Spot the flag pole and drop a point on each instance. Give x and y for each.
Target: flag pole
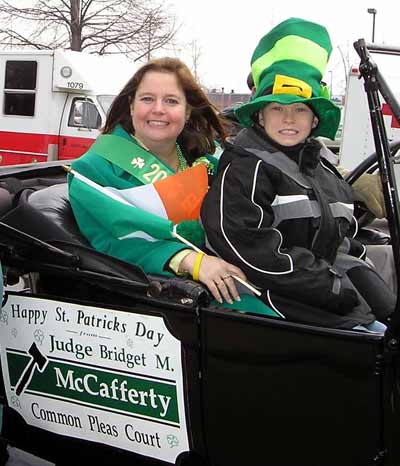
(174, 233)
(94, 185)
(193, 246)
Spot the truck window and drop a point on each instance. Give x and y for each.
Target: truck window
(84, 114)
(20, 88)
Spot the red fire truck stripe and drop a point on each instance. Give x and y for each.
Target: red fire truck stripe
(386, 110)
(16, 148)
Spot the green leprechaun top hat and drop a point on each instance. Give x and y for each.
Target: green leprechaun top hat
(287, 67)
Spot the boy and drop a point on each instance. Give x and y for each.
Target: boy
(277, 209)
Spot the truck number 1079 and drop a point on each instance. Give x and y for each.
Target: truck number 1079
(74, 85)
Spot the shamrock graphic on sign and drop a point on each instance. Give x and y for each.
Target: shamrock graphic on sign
(172, 440)
(38, 335)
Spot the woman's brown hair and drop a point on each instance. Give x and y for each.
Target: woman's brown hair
(204, 124)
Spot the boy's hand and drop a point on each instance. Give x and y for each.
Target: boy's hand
(368, 189)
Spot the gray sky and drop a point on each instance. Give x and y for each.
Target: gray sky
(227, 32)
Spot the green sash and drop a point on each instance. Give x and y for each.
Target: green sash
(131, 157)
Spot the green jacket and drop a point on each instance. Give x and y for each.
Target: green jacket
(109, 225)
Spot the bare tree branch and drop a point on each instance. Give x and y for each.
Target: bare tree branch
(134, 27)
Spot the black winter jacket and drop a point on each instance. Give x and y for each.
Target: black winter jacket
(280, 225)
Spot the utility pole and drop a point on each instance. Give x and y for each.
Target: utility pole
(76, 36)
(372, 11)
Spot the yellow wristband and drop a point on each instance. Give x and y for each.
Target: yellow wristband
(196, 267)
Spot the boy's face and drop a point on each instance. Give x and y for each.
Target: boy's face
(288, 125)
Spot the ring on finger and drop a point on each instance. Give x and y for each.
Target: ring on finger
(228, 275)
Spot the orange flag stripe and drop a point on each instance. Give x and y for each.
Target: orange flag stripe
(182, 194)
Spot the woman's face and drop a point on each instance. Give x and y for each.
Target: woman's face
(159, 109)
(288, 125)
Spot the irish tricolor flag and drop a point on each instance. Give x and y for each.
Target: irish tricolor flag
(149, 211)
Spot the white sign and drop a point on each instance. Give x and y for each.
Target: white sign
(97, 374)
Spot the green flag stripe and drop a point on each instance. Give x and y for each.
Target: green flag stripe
(121, 219)
(292, 48)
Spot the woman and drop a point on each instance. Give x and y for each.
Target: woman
(277, 209)
(159, 125)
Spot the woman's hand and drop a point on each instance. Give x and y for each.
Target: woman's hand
(216, 274)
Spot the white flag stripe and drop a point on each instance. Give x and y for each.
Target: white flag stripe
(98, 187)
(138, 234)
(144, 197)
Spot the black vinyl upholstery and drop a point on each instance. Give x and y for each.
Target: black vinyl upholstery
(46, 214)
(53, 203)
(5, 201)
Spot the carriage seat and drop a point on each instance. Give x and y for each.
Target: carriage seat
(47, 214)
(5, 201)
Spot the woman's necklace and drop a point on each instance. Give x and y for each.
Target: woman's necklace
(182, 163)
(140, 142)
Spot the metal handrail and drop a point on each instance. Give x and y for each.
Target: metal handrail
(375, 85)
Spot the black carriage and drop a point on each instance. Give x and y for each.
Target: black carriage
(103, 364)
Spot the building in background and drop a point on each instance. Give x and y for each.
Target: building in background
(222, 99)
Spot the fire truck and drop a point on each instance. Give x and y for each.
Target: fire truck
(53, 102)
(357, 141)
